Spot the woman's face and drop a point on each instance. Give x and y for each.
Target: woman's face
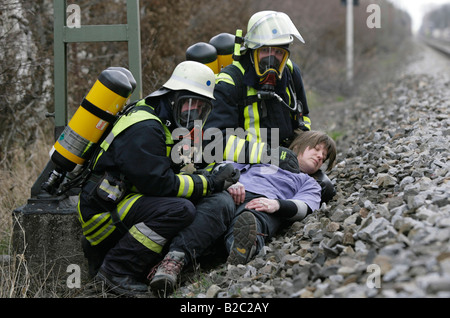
(312, 159)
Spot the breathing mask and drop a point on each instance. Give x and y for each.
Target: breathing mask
(190, 108)
(269, 64)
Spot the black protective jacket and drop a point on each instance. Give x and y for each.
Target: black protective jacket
(234, 108)
(140, 157)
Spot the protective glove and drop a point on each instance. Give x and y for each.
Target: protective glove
(304, 123)
(287, 160)
(222, 177)
(328, 190)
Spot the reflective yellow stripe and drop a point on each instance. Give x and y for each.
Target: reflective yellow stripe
(125, 122)
(95, 222)
(102, 233)
(252, 122)
(256, 152)
(210, 167)
(122, 209)
(147, 237)
(253, 152)
(228, 154)
(240, 145)
(100, 226)
(205, 185)
(182, 185)
(307, 122)
(186, 186)
(130, 119)
(233, 148)
(225, 78)
(289, 95)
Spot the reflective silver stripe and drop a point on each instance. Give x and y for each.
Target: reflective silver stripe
(302, 209)
(150, 234)
(91, 228)
(224, 77)
(253, 129)
(185, 184)
(94, 222)
(108, 140)
(234, 148)
(255, 152)
(113, 192)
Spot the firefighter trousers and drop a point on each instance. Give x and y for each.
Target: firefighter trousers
(151, 222)
(213, 217)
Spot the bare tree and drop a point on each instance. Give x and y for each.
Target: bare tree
(25, 74)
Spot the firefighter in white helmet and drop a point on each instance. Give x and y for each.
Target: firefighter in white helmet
(136, 199)
(246, 91)
(262, 92)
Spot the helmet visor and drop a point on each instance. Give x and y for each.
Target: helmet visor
(188, 109)
(272, 29)
(270, 58)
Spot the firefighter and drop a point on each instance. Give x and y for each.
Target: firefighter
(262, 92)
(136, 198)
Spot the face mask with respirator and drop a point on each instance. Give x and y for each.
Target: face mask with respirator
(269, 65)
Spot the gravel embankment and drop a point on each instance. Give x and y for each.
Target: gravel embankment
(387, 231)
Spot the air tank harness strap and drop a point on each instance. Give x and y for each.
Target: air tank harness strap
(96, 111)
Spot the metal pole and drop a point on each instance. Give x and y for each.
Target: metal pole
(60, 67)
(350, 42)
(63, 34)
(134, 46)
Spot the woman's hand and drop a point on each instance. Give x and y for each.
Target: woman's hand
(237, 192)
(263, 205)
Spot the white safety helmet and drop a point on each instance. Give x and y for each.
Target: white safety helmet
(194, 77)
(270, 28)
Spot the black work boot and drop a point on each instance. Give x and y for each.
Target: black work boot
(122, 285)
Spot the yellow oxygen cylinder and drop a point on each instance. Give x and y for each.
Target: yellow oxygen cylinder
(106, 98)
(204, 53)
(224, 44)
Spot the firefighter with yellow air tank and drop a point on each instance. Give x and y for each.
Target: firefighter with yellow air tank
(136, 199)
(262, 92)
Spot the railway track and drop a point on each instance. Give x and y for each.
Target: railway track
(441, 46)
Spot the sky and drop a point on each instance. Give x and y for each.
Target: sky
(418, 8)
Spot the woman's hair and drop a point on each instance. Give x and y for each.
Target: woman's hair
(311, 139)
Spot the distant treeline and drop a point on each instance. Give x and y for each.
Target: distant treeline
(168, 28)
(436, 23)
